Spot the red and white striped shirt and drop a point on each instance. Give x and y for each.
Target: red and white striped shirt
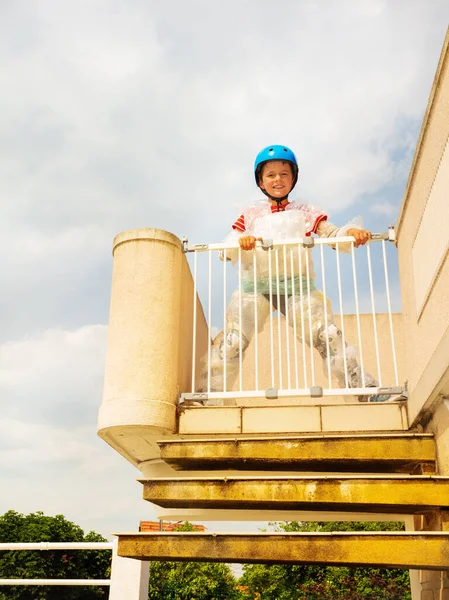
(317, 217)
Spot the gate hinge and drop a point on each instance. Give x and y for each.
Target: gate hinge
(195, 397)
(394, 391)
(391, 233)
(390, 390)
(186, 247)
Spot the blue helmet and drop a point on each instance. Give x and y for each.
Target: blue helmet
(276, 153)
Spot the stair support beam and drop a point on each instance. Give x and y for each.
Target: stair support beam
(410, 453)
(397, 494)
(402, 550)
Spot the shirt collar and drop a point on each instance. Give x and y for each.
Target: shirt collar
(274, 207)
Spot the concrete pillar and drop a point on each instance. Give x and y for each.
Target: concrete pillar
(129, 578)
(415, 583)
(142, 359)
(434, 584)
(444, 591)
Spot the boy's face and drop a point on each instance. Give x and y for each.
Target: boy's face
(277, 178)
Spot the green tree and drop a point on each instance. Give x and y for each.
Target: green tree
(51, 564)
(191, 580)
(301, 582)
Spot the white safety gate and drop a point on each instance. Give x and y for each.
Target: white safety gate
(288, 268)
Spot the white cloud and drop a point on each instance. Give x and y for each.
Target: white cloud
(50, 456)
(384, 208)
(54, 377)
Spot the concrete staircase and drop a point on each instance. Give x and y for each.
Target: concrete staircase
(315, 453)
(383, 473)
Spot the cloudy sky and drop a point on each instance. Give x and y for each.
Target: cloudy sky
(119, 114)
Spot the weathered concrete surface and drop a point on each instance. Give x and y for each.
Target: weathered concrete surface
(423, 254)
(394, 494)
(284, 419)
(373, 453)
(393, 550)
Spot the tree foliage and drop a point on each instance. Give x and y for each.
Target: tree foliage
(50, 564)
(191, 580)
(301, 582)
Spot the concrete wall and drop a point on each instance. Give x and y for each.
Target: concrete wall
(423, 244)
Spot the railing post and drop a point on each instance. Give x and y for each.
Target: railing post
(129, 577)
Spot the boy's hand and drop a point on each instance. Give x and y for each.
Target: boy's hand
(361, 236)
(248, 242)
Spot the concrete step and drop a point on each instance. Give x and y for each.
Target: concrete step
(296, 419)
(374, 453)
(401, 494)
(400, 550)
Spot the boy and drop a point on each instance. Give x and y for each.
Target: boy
(276, 174)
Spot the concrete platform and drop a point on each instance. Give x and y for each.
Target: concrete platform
(394, 494)
(383, 550)
(374, 453)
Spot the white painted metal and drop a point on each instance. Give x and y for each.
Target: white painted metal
(390, 316)
(209, 322)
(224, 322)
(288, 382)
(312, 353)
(56, 546)
(240, 321)
(287, 327)
(278, 296)
(195, 278)
(291, 242)
(129, 578)
(301, 304)
(46, 546)
(342, 318)
(300, 392)
(270, 275)
(256, 320)
(357, 312)
(295, 333)
(373, 311)
(326, 321)
(84, 582)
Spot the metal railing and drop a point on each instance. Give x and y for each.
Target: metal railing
(45, 546)
(281, 275)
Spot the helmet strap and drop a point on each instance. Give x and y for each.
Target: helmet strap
(278, 200)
